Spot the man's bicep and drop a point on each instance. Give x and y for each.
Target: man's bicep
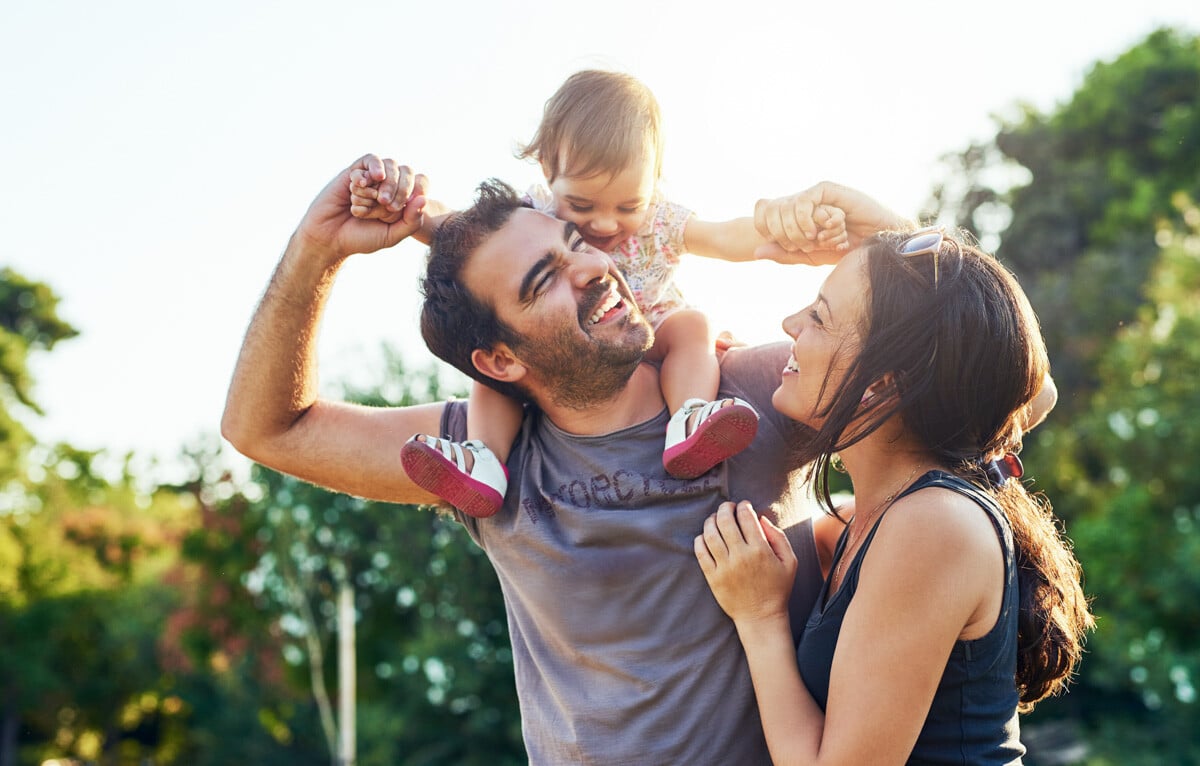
(355, 449)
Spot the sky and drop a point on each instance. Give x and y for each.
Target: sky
(156, 156)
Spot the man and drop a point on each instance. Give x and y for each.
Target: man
(620, 652)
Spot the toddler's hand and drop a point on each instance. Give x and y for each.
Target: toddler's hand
(364, 197)
(725, 341)
(801, 231)
(833, 234)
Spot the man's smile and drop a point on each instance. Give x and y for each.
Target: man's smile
(610, 304)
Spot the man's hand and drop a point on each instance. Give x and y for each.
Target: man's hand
(831, 243)
(331, 228)
(801, 223)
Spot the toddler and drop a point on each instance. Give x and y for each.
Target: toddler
(600, 148)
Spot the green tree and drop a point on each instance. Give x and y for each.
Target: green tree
(1101, 170)
(1124, 472)
(81, 607)
(220, 649)
(29, 323)
(1083, 202)
(434, 666)
(81, 555)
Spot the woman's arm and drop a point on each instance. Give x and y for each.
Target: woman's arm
(907, 613)
(750, 566)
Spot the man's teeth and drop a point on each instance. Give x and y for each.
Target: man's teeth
(791, 365)
(612, 300)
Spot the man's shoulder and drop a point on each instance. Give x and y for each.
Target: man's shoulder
(753, 373)
(753, 370)
(740, 355)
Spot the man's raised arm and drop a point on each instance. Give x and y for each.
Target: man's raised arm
(272, 413)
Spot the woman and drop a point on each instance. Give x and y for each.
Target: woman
(951, 601)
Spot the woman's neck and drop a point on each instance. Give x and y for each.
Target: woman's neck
(882, 466)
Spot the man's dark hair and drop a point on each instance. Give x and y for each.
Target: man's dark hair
(453, 321)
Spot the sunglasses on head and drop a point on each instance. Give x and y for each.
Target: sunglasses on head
(926, 241)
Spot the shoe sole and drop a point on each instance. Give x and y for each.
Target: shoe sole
(433, 472)
(725, 433)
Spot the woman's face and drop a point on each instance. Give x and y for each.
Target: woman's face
(825, 340)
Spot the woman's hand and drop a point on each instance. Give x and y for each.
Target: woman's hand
(748, 562)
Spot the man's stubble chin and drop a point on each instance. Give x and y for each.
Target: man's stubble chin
(580, 373)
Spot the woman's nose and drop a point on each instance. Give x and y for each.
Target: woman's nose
(791, 324)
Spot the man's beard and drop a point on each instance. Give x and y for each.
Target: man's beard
(579, 372)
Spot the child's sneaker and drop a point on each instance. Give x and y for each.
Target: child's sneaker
(722, 429)
(440, 466)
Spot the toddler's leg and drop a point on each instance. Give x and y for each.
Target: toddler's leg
(468, 475)
(689, 369)
(702, 432)
(493, 419)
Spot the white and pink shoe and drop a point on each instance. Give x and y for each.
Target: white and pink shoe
(721, 430)
(440, 466)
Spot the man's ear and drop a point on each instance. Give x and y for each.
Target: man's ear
(498, 363)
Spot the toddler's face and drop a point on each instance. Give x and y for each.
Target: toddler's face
(608, 209)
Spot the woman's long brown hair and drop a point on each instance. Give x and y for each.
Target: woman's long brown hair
(967, 359)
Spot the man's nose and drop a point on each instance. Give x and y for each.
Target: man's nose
(589, 265)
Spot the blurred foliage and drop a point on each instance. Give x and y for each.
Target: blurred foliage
(190, 624)
(435, 681)
(81, 553)
(1122, 471)
(28, 321)
(1091, 207)
(1097, 176)
(196, 623)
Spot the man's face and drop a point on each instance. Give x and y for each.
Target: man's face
(581, 333)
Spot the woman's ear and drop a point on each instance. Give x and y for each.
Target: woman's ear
(498, 363)
(884, 387)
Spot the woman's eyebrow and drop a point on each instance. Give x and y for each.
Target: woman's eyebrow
(821, 299)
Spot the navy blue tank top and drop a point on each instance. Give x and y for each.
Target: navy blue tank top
(973, 718)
